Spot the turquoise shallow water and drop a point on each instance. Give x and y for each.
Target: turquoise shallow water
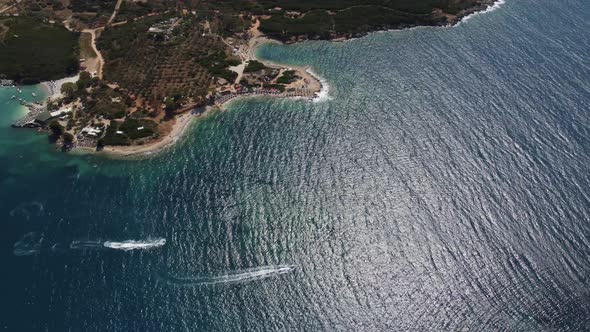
(443, 186)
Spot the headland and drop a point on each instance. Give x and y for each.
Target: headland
(145, 75)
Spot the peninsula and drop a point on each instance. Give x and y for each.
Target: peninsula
(145, 69)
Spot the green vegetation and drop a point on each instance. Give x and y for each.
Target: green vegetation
(121, 133)
(68, 139)
(92, 6)
(130, 128)
(171, 105)
(69, 89)
(408, 6)
(362, 19)
(315, 23)
(56, 130)
(331, 18)
(84, 81)
(111, 137)
(180, 62)
(217, 63)
(92, 12)
(106, 102)
(289, 76)
(164, 55)
(32, 51)
(254, 66)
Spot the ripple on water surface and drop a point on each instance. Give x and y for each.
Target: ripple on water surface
(443, 187)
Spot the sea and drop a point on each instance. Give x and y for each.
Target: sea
(441, 183)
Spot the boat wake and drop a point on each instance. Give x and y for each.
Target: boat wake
(28, 210)
(32, 244)
(490, 8)
(135, 245)
(240, 276)
(83, 245)
(125, 245)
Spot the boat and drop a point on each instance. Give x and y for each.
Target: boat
(34, 94)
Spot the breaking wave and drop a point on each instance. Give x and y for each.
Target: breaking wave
(247, 275)
(135, 245)
(490, 8)
(324, 93)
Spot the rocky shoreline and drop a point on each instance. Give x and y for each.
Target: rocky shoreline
(445, 20)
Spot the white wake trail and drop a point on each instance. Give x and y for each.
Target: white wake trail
(236, 277)
(135, 245)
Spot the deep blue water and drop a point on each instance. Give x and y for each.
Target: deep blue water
(444, 185)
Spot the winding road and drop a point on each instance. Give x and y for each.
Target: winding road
(115, 12)
(99, 59)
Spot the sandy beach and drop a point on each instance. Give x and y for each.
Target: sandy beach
(53, 88)
(181, 124)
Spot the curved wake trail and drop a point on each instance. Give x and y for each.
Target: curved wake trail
(258, 273)
(30, 244)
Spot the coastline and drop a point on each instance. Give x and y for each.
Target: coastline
(316, 84)
(490, 8)
(497, 4)
(181, 124)
(313, 82)
(53, 88)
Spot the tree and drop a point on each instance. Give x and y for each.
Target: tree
(68, 89)
(171, 106)
(56, 128)
(52, 106)
(68, 139)
(84, 81)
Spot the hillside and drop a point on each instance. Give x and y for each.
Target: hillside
(289, 20)
(33, 51)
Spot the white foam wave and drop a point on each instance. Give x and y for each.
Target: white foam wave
(236, 277)
(324, 93)
(135, 245)
(30, 244)
(490, 8)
